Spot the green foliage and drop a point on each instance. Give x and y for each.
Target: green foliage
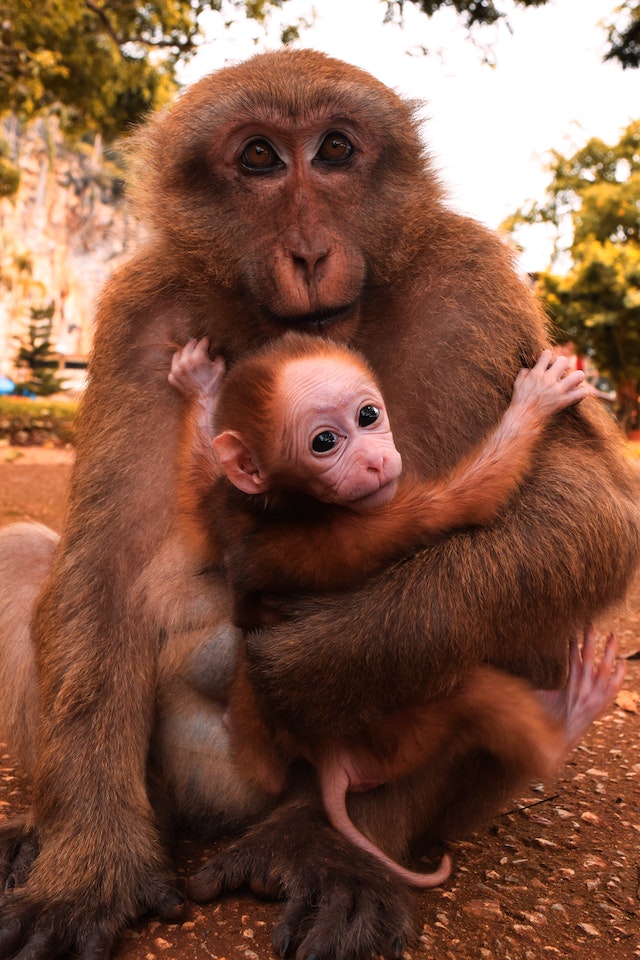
(102, 64)
(87, 60)
(35, 355)
(36, 422)
(594, 199)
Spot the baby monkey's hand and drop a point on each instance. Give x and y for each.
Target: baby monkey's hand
(547, 388)
(192, 372)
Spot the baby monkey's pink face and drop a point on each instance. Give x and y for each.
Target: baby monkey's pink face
(336, 435)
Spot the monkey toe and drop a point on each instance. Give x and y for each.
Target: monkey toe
(22, 861)
(360, 920)
(339, 901)
(344, 916)
(20, 932)
(31, 931)
(11, 936)
(18, 850)
(34, 926)
(234, 867)
(170, 905)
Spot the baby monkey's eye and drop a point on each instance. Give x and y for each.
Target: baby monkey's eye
(324, 442)
(368, 415)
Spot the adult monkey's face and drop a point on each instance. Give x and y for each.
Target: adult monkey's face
(293, 180)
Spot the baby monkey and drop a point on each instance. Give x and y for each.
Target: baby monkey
(317, 501)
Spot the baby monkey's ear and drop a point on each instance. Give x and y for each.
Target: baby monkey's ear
(238, 464)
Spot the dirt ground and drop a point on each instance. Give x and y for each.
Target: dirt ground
(557, 875)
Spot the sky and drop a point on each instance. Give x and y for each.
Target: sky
(489, 127)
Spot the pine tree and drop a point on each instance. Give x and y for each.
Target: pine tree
(35, 354)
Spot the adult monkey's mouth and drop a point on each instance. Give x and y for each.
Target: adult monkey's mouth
(316, 321)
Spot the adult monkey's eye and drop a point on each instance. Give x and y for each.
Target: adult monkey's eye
(335, 148)
(324, 442)
(260, 155)
(368, 415)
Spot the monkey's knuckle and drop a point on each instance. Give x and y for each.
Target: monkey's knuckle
(213, 879)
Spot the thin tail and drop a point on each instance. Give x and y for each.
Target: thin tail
(334, 792)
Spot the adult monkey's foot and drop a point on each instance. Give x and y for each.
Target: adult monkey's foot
(73, 918)
(18, 850)
(340, 902)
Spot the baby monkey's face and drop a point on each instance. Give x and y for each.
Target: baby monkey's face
(337, 440)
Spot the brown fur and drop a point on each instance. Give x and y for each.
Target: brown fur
(432, 300)
(293, 543)
(282, 541)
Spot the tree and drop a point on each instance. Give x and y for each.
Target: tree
(623, 30)
(472, 12)
(36, 356)
(594, 200)
(102, 64)
(624, 35)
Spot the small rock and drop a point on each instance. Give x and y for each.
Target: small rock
(483, 909)
(590, 817)
(523, 929)
(628, 700)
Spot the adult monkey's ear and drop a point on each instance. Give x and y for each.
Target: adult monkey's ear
(238, 464)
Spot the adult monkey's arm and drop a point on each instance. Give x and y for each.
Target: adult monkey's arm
(100, 860)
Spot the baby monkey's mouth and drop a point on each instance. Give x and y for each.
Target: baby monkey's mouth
(378, 498)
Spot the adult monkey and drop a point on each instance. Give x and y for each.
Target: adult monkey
(291, 191)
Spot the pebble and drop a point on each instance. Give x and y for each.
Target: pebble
(483, 909)
(628, 701)
(589, 817)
